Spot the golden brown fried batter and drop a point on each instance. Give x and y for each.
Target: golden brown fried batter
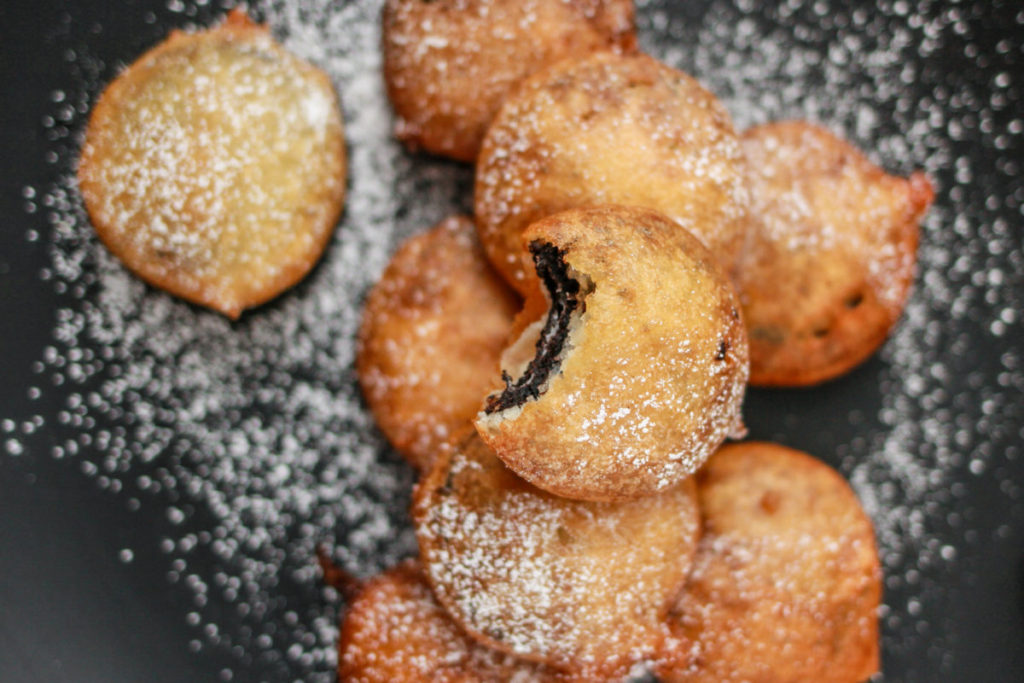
(609, 129)
(214, 166)
(786, 583)
(636, 375)
(433, 330)
(449, 64)
(831, 255)
(396, 632)
(583, 587)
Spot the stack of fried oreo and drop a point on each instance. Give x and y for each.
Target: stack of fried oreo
(565, 366)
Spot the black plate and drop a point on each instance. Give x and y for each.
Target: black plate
(147, 535)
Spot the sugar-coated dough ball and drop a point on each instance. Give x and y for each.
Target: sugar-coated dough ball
(610, 129)
(431, 339)
(786, 584)
(214, 166)
(449, 64)
(583, 587)
(638, 371)
(831, 253)
(394, 631)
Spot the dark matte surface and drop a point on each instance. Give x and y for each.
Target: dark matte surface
(70, 610)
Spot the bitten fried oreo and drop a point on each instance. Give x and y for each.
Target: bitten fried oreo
(584, 587)
(609, 129)
(637, 372)
(395, 632)
(449, 64)
(214, 166)
(786, 583)
(831, 255)
(432, 335)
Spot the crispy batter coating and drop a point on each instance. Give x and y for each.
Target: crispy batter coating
(449, 64)
(432, 334)
(584, 587)
(786, 584)
(609, 129)
(831, 256)
(396, 632)
(214, 166)
(634, 388)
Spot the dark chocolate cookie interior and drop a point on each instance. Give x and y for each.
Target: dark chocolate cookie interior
(565, 296)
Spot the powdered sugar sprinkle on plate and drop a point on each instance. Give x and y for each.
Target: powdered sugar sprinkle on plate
(253, 436)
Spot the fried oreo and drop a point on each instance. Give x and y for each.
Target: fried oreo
(786, 583)
(636, 374)
(432, 335)
(609, 129)
(395, 632)
(831, 255)
(214, 166)
(583, 587)
(449, 64)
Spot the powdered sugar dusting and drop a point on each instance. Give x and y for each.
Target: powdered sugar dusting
(943, 422)
(869, 216)
(396, 630)
(450, 65)
(215, 165)
(786, 569)
(433, 329)
(255, 429)
(252, 437)
(651, 381)
(596, 131)
(583, 586)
